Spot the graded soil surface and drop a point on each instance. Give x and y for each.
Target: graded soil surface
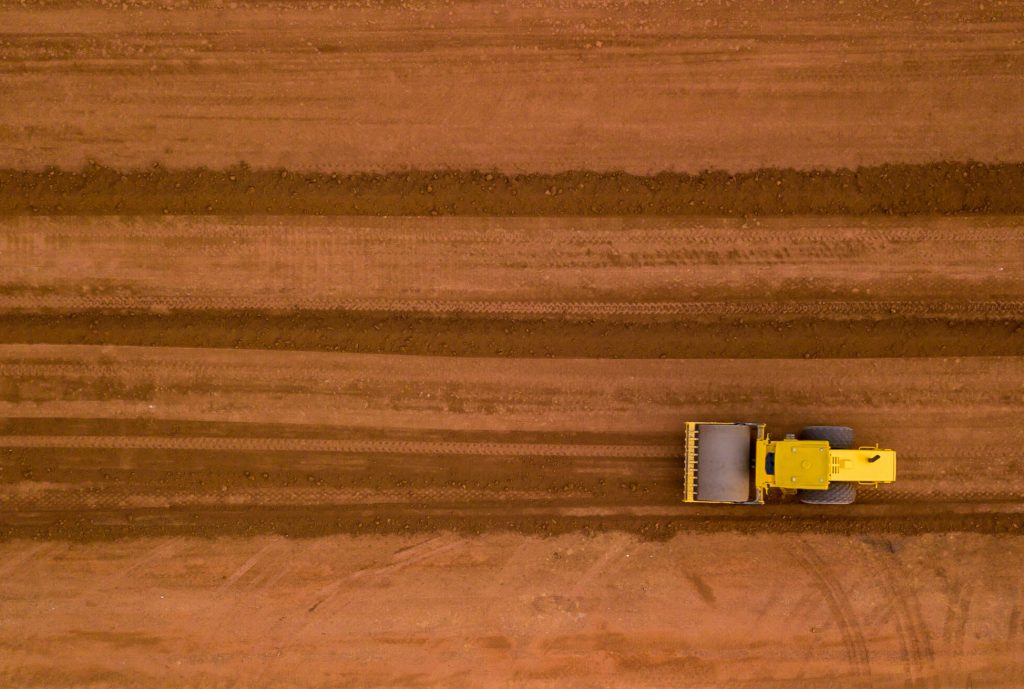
(517, 87)
(447, 451)
(751, 611)
(350, 344)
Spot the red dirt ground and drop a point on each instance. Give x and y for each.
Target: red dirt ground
(642, 86)
(246, 449)
(508, 610)
(259, 513)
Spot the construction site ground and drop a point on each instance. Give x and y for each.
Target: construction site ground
(254, 436)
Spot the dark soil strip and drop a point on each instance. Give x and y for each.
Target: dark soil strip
(934, 188)
(470, 335)
(311, 521)
(138, 427)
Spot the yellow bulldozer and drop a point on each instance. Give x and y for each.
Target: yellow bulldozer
(738, 463)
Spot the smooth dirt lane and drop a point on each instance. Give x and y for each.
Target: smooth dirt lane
(440, 610)
(637, 86)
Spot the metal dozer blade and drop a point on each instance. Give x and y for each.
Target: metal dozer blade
(723, 462)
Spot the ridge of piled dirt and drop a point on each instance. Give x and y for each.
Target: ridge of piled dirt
(934, 188)
(531, 337)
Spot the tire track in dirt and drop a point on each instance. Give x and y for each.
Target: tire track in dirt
(954, 630)
(840, 607)
(30, 554)
(160, 554)
(320, 261)
(1014, 625)
(339, 593)
(906, 606)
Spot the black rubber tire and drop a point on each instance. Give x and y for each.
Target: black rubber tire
(838, 493)
(838, 437)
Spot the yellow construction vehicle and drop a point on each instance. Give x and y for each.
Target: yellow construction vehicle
(738, 463)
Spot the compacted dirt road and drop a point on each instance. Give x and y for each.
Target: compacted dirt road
(293, 395)
(446, 452)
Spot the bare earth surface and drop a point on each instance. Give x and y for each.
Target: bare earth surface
(509, 610)
(521, 87)
(382, 510)
(261, 428)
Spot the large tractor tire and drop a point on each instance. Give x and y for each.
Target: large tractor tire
(838, 493)
(723, 462)
(838, 437)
